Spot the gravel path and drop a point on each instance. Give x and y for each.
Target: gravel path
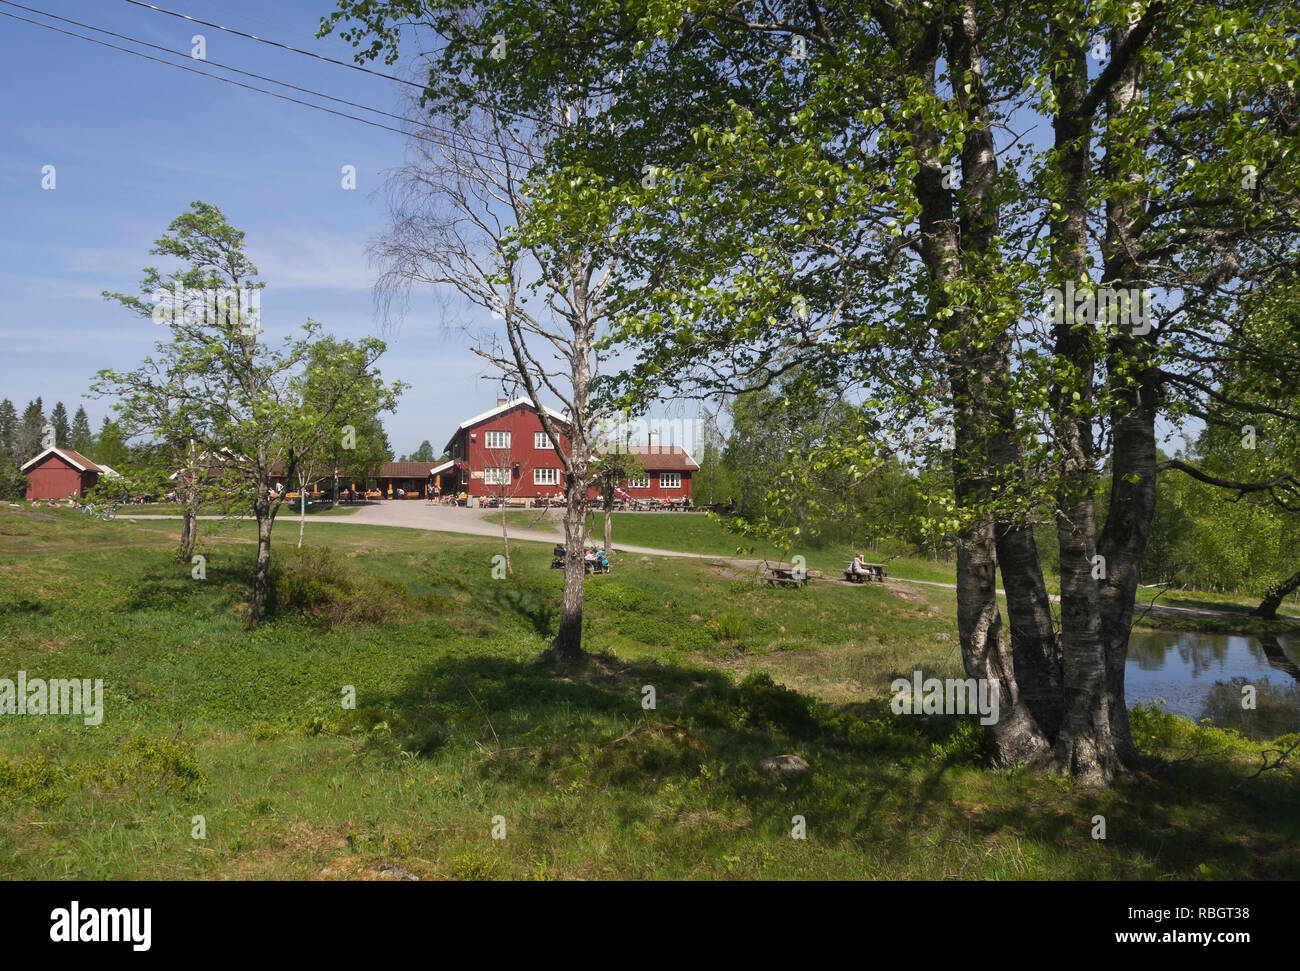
(455, 519)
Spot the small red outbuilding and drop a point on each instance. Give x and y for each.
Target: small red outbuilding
(59, 472)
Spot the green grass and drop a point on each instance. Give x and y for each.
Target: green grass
(460, 718)
(699, 533)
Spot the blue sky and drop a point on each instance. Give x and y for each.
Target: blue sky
(134, 142)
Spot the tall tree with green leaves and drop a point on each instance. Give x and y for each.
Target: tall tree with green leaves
(854, 191)
(111, 446)
(336, 391)
(459, 213)
(240, 395)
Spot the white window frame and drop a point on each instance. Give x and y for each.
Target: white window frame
(666, 480)
(496, 475)
(503, 440)
(540, 440)
(641, 483)
(552, 479)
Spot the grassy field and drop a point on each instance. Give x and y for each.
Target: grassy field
(460, 718)
(698, 533)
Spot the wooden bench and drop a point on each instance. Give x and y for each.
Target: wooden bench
(494, 502)
(781, 576)
(873, 571)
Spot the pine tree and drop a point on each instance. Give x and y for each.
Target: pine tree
(8, 428)
(110, 447)
(80, 438)
(31, 431)
(59, 419)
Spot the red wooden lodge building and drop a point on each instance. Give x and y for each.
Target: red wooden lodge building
(504, 453)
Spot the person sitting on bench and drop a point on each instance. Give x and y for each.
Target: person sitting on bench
(859, 565)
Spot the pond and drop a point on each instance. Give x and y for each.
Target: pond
(1202, 676)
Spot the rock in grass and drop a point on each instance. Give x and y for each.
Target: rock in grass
(784, 764)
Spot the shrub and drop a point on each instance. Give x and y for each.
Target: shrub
(618, 596)
(758, 703)
(1154, 729)
(38, 781)
(963, 746)
(317, 582)
(726, 627)
(167, 761)
(474, 865)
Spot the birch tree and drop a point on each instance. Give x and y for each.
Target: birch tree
(461, 214)
(863, 191)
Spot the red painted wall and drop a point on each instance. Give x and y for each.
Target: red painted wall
(53, 478)
(470, 445)
(656, 491)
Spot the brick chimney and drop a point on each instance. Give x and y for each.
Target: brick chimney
(654, 440)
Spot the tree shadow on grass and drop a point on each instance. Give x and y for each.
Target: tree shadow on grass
(538, 610)
(25, 607)
(171, 585)
(537, 727)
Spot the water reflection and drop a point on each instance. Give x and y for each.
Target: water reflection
(1202, 676)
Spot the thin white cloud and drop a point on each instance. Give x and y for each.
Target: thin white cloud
(302, 260)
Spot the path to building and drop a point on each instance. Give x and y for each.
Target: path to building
(412, 514)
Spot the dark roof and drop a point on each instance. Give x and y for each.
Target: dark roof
(408, 470)
(664, 458)
(389, 470)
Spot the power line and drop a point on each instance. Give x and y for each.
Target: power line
(340, 45)
(224, 67)
(276, 43)
(287, 47)
(250, 87)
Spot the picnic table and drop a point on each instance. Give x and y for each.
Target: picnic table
(872, 571)
(785, 576)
